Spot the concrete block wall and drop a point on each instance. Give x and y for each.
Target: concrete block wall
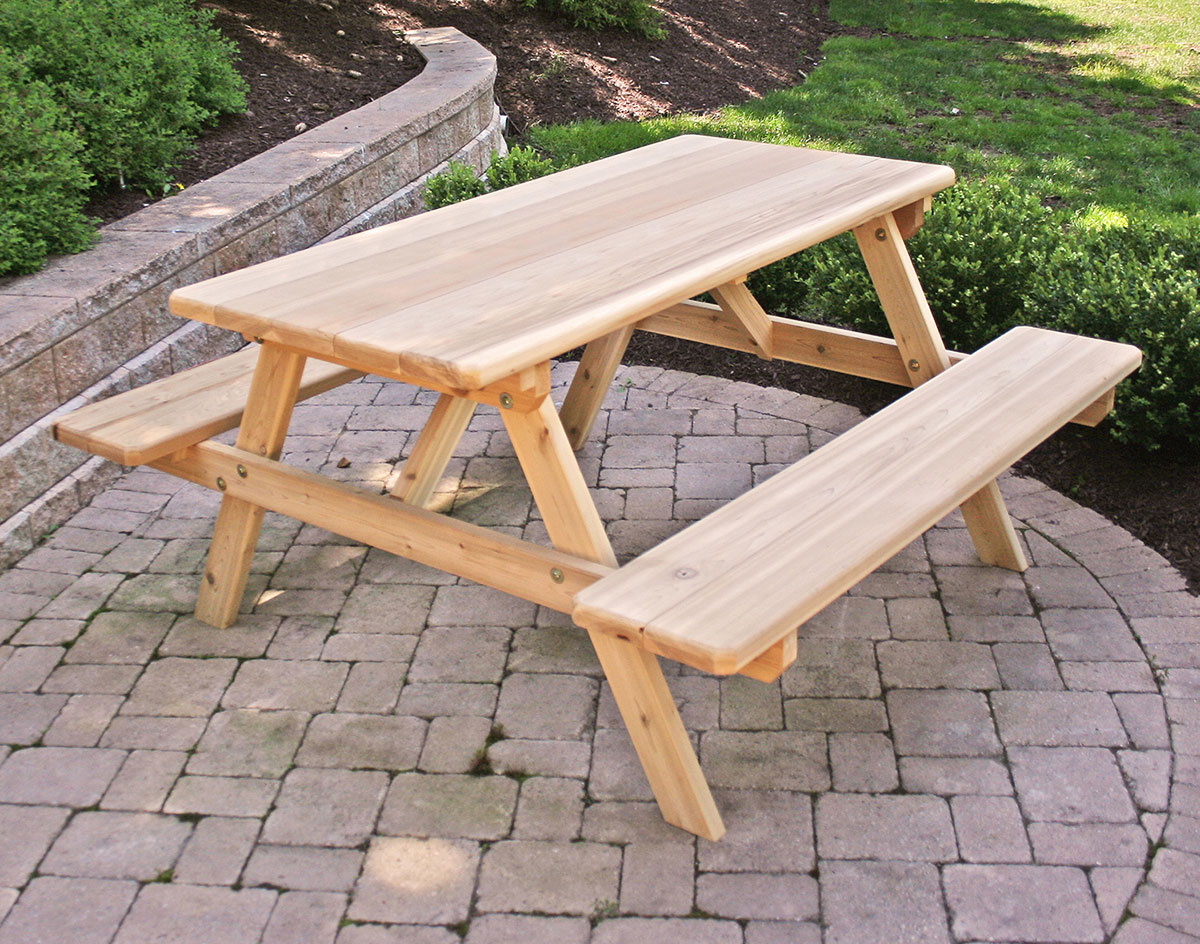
(94, 324)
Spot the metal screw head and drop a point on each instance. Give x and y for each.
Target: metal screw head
(506, 400)
(241, 471)
(881, 234)
(556, 575)
(914, 365)
(221, 483)
(685, 573)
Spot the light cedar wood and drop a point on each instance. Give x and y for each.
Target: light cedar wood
(474, 292)
(925, 356)
(737, 582)
(140, 425)
(737, 300)
(911, 218)
(263, 430)
(816, 345)
(772, 663)
(636, 679)
(424, 466)
(457, 547)
(589, 386)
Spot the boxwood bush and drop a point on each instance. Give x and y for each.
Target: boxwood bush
(636, 16)
(992, 256)
(114, 91)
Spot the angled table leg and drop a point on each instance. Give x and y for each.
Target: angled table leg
(597, 367)
(908, 314)
(636, 678)
(263, 430)
(435, 445)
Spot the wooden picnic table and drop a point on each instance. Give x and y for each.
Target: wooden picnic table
(474, 300)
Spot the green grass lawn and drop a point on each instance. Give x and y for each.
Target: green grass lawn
(1085, 104)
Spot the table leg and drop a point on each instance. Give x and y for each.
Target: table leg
(921, 347)
(435, 445)
(264, 427)
(638, 685)
(597, 367)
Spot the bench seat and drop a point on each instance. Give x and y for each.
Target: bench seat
(154, 420)
(725, 590)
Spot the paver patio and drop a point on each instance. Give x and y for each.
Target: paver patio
(380, 753)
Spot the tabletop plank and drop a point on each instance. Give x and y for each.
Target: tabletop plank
(471, 293)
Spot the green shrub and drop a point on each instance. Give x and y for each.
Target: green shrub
(43, 186)
(636, 16)
(459, 182)
(139, 78)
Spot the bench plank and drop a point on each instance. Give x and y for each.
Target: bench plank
(154, 420)
(730, 586)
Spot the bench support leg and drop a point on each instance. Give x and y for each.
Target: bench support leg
(264, 427)
(425, 464)
(924, 355)
(597, 367)
(638, 685)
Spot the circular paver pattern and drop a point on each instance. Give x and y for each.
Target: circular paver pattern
(377, 752)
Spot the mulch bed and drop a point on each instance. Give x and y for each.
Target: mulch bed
(302, 71)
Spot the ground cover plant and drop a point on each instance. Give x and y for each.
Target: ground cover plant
(124, 86)
(1078, 144)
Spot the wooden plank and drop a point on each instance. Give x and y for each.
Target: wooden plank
(457, 547)
(161, 417)
(637, 682)
(262, 432)
(911, 218)
(925, 356)
(726, 588)
(424, 466)
(462, 300)
(589, 386)
(737, 300)
(771, 664)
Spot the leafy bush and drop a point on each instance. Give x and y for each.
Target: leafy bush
(637, 16)
(459, 181)
(43, 186)
(138, 78)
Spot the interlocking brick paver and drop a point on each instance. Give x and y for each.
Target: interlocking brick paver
(916, 618)
(666, 931)
(949, 776)
(454, 745)
(28, 832)
(79, 910)
(479, 606)
(360, 740)
(449, 805)
(923, 664)
(248, 638)
(560, 647)
(983, 591)
(137, 846)
(221, 796)
(216, 851)
(300, 637)
(863, 763)
(504, 929)
(1109, 676)
(461, 654)
(1027, 666)
(750, 705)
(1070, 785)
(305, 918)
(28, 667)
(433, 699)
(882, 903)
(942, 723)
(1113, 887)
(149, 733)
(1175, 910)
(248, 743)
(908, 828)
(768, 831)
(835, 714)
(1089, 844)
(82, 721)
(550, 808)
(832, 668)
(541, 706)
(180, 687)
(657, 878)
(276, 683)
(326, 807)
(197, 914)
(550, 877)
(386, 608)
(93, 679)
(990, 829)
(779, 897)
(1089, 635)
(58, 776)
(541, 758)
(413, 881)
(304, 868)
(1050, 719)
(1021, 902)
(754, 760)
(41, 632)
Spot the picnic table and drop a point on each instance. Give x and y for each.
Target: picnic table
(474, 300)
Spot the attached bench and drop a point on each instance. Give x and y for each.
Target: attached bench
(159, 418)
(732, 588)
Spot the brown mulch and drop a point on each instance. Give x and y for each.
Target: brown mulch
(301, 71)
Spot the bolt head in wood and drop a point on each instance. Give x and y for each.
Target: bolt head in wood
(506, 400)
(241, 471)
(221, 483)
(881, 234)
(914, 365)
(556, 575)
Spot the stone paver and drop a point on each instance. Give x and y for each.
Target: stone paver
(380, 753)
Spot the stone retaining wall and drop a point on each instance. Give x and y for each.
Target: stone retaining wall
(94, 324)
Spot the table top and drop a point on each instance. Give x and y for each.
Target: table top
(471, 293)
